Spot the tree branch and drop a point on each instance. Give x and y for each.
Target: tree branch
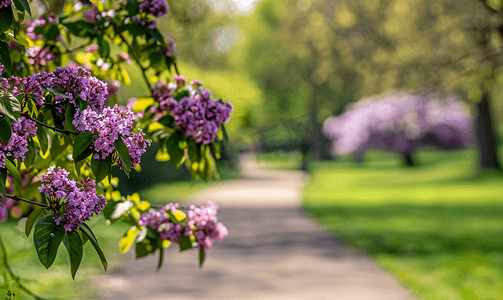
(13, 197)
(135, 57)
(67, 132)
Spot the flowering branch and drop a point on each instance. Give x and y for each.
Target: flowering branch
(67, 132)
(13, 197)
(143, 70)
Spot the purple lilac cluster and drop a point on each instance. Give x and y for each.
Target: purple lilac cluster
(79, 198)
(159, 221)
(208, 229)
(41, 21)
(201, 222)
(5, 3)
(400, 122)
(40, 56)
(75, 82)
(157, 8)
(151, 24)
(197, 116)
(108, 126)
(25, 85)
(22, 130)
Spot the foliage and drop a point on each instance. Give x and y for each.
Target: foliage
(64, 116)
(400, 122)
(435, 228)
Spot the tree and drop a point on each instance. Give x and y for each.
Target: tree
(61, 132)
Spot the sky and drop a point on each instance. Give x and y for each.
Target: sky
(244, 5)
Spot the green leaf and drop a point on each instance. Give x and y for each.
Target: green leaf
(73, 244)
(17, 39)
(101, 167)
(10, 105)
(103, 48)
(176, 154)
(83, 237)
(181, 94)
(88, 232)
(4, 54)
(194, 151)
(184, 243)
(202, 256)
(124, 156)
(5, 130)
(26, 5)
(81, 146)
(156, 34)
(69, 115)
(215, 149)
(6, 16)
(47, 237)
(161, 256)
(43, 140)
(145, 247)
(31, 220)
(127, 239)
(224, 132)
(29, 157)
(132, 7)
(14, 172)
(3, 178)
(167, 121)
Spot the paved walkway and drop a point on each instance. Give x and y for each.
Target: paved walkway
(273, 251)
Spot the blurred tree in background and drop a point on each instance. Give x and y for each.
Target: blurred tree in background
(317, 56)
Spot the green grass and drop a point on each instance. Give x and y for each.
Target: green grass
(437, 227)
(280, 160)
(56, 282)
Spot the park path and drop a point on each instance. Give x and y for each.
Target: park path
(273, 251)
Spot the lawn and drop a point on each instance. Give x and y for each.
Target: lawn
(56, 282)
(280, 160)
(437, 227)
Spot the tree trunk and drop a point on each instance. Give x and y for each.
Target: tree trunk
(485, 136)
(409, 162)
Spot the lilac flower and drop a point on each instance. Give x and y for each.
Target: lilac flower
(207, 228)
(171, 44)
(5, 3)
(108, 126)
(40, 56)
(197, 116)
(160, 222)
(22, 130)
(25, 85)
(92, 49)
(91, 15)
(41, 21)
(1, 69)
(79, 199)
(75, 83)
(112, 88)
(157, 8)
(124, 57)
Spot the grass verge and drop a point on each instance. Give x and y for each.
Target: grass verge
(436, 227)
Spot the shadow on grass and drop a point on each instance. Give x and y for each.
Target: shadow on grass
(416, 230)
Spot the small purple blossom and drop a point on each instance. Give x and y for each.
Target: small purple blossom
(157, 8)
(40, 56)
(207, 227)
(92, 49)
(91, 15)
(79, 198)
(1, 69)
(22, 130)
(167, 50)
(5, 3)
(41, 21)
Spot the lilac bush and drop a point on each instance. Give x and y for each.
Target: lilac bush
(400, 122)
